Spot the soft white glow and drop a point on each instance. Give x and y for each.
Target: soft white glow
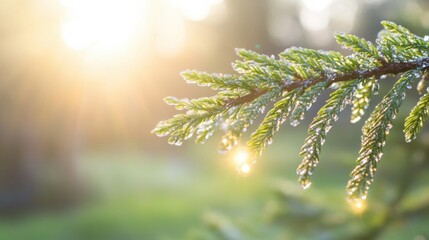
(245, 168)
(77, 34)
(375, 2)
(282, 27)
(313, 20)
(343, 15)
(195, 10)
(104, 25)
(241, 157)
(358, 206)
(316, 5)
(170, 33)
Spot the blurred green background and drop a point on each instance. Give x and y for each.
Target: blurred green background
(81, 87)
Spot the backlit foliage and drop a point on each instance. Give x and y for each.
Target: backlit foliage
(291, 83)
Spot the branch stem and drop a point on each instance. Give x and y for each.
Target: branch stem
(385, 69)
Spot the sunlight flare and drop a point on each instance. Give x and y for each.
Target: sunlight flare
(316, 5)
(195, 10)
(358, 206)
(242, 161)
(104, 25)
(241, 157)
(245, 168)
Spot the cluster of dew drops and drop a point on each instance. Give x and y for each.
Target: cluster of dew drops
(242, 158)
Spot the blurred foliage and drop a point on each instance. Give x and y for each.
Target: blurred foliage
(65, 112)
(199, 197)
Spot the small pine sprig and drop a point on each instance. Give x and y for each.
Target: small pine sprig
(361, 98)
(319, 128)
(263, 135)
(415, 120)
(239, 118)
(374, 133)
(291, 83)
(304, 102)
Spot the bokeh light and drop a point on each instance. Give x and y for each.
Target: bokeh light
(241, 157)
(245, 168)
(317, 5)
(358, 206)
(242, 161)
(101, 25)
(195, 10)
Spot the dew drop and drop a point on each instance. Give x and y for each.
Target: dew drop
(175, 140)
(301, 172)
(375, 88)
(305, 183)
(227, 142)
(355, 119)
(294, 123)
(409, 86)
(328, 127)
(334, 86)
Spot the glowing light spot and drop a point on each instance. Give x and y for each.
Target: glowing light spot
(313, 20)
(242, 161)
(103, 25)
(241, 157)
(343, 15)
(375, 2)
(245, 168)
(170, 27)
(358, 206)
(76, 34)
(316, 5)
(195, 10)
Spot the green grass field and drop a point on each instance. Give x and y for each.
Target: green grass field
(198, 195)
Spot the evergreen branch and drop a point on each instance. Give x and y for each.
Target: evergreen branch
(271, 123)
(304, 102)
(217, 81)
(293, 82)
(319, 128)
(374, 134)
(357, 44)
(182, 126)
(376, 72)
(414, 122)
(318, 60)
(241, 117)
(361, 99)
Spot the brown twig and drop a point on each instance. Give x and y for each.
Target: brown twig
(385, 69)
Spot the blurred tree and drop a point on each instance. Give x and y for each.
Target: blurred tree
(38, 128)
